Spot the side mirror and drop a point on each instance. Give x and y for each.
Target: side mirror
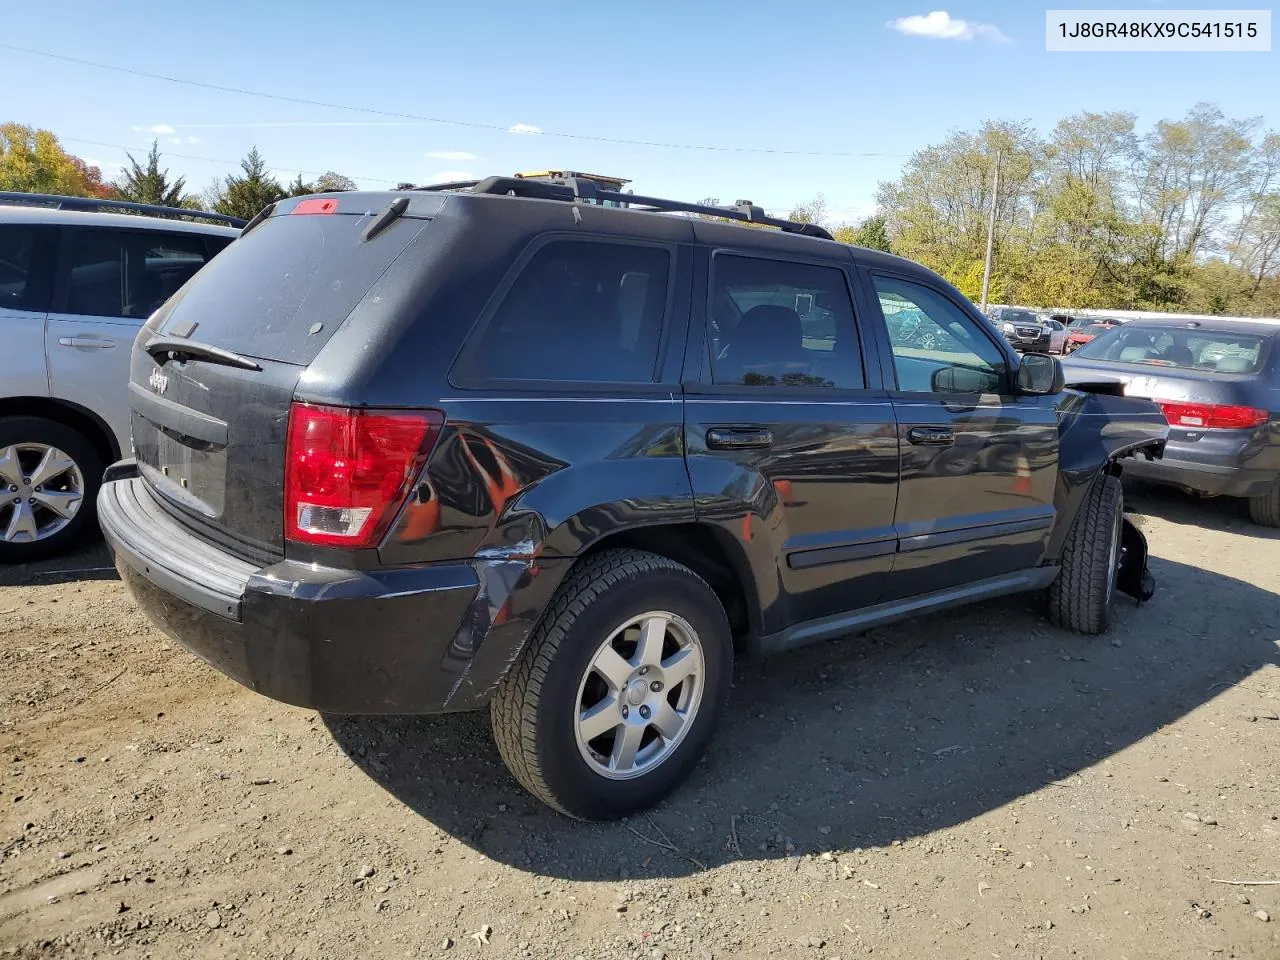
(1040, 374)
(963, 380)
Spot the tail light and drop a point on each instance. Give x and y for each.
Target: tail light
(1213, 415)
(348, 471)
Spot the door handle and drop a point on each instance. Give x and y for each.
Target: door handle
(92, 342)
(932, 436)
(738, 438)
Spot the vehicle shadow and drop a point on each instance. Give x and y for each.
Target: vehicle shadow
(1214, 513)
(90, 562)
(856, 743)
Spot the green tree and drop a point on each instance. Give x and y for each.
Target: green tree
(299, 188)
(150, 184)
(872, 233)
(246, 194)
(32, 161)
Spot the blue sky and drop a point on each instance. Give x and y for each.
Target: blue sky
(816, 76)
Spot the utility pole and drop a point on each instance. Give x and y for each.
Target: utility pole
(991, 235)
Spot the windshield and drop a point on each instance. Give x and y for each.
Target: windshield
(1217, 350)
(1018, 316)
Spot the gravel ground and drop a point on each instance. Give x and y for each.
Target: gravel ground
(970, 785)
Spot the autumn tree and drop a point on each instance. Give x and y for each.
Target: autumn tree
(330, 182)
(33, 161)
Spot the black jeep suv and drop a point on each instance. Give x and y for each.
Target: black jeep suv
(417, 451)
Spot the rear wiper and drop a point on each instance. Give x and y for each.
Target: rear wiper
(172, 348)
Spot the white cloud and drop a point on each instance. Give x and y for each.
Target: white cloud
(452, 155)
(940, 25)
(177, 141)
(159, 128)
(450, 176)
(523, 128)
(193, 140)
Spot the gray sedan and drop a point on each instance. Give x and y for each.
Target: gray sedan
(1218, 383)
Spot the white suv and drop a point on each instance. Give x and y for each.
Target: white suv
(76, 285)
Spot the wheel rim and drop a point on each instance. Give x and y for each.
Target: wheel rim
(639, 696)
(42, 489)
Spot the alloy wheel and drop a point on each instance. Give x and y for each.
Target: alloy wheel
(639, 695)
(41, 491)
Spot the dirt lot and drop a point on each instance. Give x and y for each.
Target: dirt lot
(966, 786)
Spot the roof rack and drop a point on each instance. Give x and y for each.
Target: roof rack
(97, 205)
(576, 189)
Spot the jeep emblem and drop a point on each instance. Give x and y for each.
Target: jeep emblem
(158, 381)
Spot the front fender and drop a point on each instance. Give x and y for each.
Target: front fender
(1096, 432)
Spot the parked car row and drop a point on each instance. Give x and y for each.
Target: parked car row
(1030, 331)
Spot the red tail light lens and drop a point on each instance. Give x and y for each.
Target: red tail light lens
(348, 471)
(1213, 415)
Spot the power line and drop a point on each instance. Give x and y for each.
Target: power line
(441, 120)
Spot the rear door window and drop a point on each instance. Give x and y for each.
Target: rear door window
(25, 267)
(777, 323)
(127, 274)
(579, 310)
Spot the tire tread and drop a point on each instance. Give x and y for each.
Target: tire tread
(1264, 509)
(1078, 597)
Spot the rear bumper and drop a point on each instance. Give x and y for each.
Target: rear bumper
(1226, 465)
(425, 639)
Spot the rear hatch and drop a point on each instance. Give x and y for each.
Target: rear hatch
(210, 417)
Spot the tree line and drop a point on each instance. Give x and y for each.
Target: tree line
(1184, 216)
(33, 161)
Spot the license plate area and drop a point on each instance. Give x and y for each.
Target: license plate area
(188, 471)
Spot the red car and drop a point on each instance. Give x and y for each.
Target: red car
(1077, 337)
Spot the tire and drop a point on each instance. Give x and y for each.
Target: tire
(23, 443)
(537, 709)
(1082, 597)
(1264, 510)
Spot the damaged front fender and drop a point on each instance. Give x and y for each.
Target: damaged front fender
(1098, 429)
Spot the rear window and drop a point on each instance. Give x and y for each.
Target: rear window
(580, 310)
(1213, 350)
(282, 290)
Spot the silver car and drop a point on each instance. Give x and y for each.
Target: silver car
(1218, 383)
(76, 285)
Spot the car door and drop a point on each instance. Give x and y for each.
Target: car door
(978, 463)
(1057, 335)
(26, 282)
(789, 438)
(110, 281)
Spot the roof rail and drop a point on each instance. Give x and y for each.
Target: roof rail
(574, 189)
(98, 205)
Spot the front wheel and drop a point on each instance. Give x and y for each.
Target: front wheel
(1082, 597)
(1265, 509)
(619, 688)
